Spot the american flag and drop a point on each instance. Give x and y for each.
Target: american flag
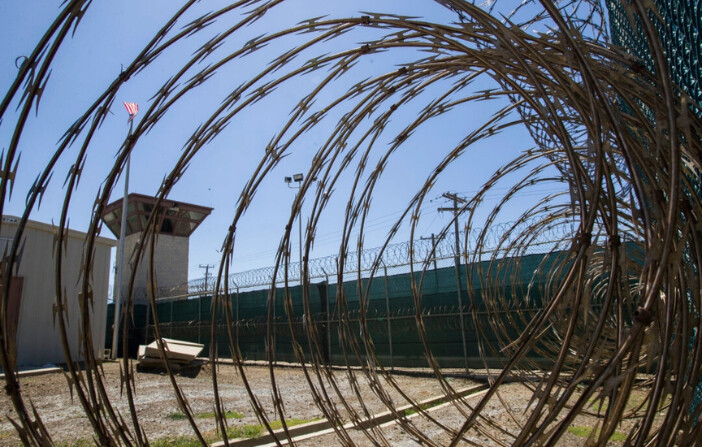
(132, 109)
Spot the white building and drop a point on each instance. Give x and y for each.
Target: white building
(33, 293)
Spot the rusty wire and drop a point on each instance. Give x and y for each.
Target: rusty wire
(623, 293)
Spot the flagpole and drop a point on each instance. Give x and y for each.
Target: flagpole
(122, 236)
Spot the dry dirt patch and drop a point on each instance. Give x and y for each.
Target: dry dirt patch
(158, 409)
(159, 413)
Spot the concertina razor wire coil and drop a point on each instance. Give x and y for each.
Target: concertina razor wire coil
(621, 142)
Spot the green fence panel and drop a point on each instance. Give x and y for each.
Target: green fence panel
(390, 316)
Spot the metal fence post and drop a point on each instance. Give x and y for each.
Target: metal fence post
(387, 315)
(236, 317)
(328, 322)
(146, 325)
(171, 329)
(274, 347)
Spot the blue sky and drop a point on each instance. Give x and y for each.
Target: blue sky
(112, 34)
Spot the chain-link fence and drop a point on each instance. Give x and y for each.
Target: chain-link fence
(471, 307)
(678, 26)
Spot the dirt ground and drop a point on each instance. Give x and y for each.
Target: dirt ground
(158, 410)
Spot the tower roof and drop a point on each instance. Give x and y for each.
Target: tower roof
(178, 218)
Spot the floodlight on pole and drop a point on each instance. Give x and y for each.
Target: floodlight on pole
(132, 109)
(297, 178)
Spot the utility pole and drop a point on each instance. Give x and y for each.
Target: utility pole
(433, 245)
(457, 262)
(207, 271)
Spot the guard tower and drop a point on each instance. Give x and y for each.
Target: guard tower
(178, 221)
